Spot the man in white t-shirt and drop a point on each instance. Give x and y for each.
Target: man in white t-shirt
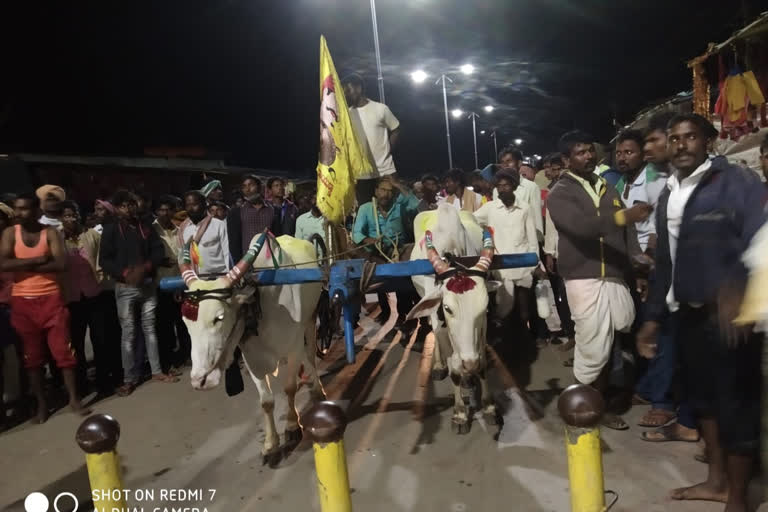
(377, 130)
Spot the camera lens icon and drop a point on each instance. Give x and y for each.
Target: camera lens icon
(38, 502)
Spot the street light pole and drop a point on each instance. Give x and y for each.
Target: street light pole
(380, 78)
(443, 78)
(495, 148)
(474, 117)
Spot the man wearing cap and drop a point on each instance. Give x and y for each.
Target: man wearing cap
(377, 130)
(51, 197)
(212, 191)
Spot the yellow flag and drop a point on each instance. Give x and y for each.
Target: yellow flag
(341, 158)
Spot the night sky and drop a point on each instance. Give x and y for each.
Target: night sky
(240, 77)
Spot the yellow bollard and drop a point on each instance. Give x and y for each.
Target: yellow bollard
(581, 407)
(325, 423)
(97, 437)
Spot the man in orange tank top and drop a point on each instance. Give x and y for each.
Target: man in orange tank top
(35, 254)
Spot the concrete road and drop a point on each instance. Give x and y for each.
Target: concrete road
(402, 455)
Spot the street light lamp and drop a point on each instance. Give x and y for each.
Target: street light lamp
(488, 108)
(419, 76)
(518, 142)
(482, 132)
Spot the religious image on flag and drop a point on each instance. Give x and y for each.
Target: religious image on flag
(341, 157)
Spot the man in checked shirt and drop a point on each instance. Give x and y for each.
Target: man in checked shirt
(251, 219)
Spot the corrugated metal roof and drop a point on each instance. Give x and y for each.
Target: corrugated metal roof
(171, 164)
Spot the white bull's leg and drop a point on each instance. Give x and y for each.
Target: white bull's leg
(292, 429)
(316, 391)
(486, 399)
(460, 421)
(439, 368)
(270, 451)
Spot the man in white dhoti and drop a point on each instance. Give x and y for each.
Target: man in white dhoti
(595, 240)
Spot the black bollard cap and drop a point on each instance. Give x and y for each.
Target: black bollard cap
(98, 434)
(325, 422)
(581, 406)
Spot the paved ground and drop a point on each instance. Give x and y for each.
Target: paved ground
(402, 454)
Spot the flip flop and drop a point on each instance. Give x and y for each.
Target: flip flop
(667, 434)
(614, 422)
(657, 418)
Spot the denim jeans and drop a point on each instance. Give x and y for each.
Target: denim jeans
(656, 384)
(130, 300)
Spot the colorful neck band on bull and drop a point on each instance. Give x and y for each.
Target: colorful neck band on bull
(185, 255)
(428, 240)
(246, 262)
(254, 250)
(487, 239)
(185, 265)
(486, 255)
(437, 262)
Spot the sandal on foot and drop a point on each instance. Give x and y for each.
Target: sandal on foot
(664, 435)
(164, 377)
(614, 422)
(657, 418)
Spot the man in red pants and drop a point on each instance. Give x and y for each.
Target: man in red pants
(35, 254)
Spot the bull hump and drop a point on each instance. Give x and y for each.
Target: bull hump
(428, 221)
(293, 250)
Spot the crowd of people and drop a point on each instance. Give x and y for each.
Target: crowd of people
(643, 260)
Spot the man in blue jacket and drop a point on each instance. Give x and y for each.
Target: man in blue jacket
(705, 220)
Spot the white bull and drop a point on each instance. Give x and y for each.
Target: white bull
(456, 302)
(215, 317)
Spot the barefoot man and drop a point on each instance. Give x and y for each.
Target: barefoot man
(705, 221)
(35, 254)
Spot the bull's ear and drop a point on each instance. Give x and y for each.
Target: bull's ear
(426, 305)
(492, 286)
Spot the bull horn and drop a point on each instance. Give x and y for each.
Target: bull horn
(486, 255)
(245, 264)
(437, 262)
(188, 273)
